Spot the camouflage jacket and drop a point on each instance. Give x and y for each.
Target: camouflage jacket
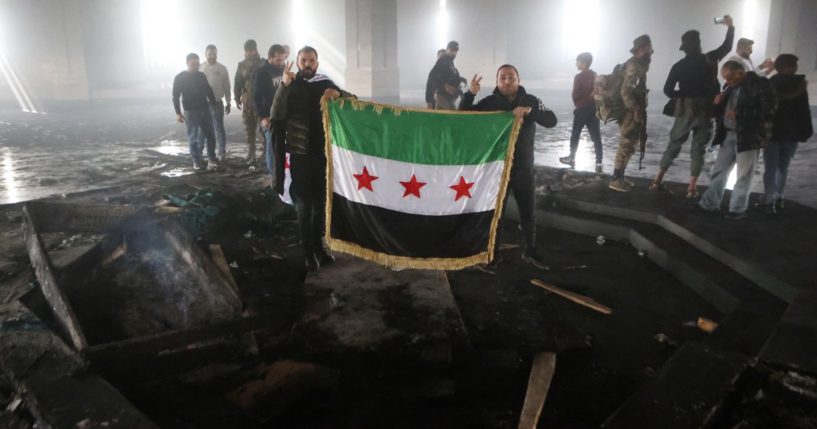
(242, 90)
(634, 84)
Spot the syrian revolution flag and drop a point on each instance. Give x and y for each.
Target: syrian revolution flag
(415, 188)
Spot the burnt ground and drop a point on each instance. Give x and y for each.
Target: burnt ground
(601, 359)
(481, 382)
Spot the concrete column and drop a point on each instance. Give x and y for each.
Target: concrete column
(371, 50)
(70, 78)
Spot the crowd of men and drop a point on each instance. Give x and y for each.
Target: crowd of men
(749, 112)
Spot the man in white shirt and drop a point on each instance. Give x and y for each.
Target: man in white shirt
(219, 80)
(743, 54)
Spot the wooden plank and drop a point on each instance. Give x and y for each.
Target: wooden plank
(217, 255)
(51, 290)
(211, 279)
(541, 374)
(571, 296)
(152, 345)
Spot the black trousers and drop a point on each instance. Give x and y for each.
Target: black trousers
(523, 186)
(586, 117)
(308, 191)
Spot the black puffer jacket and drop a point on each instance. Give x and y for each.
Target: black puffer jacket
(756, 106)
(792, 121)
(299, 104)
(539, 114)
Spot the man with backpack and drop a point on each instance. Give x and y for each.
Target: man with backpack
(444, 79)
(633, 120)
(696, 76)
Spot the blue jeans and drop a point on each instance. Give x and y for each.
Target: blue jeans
(269, 143)
(217, 113)
(586, 117)
(200, 131)
(776, 159)
(728, 156)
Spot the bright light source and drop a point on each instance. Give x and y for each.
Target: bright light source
(580, 27)
(442, 25)
(332, 62)
(299, 21)
(750, 23)
(162, 35)
(17, 88)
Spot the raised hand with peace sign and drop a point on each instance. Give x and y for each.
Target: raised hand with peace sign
(474, 87)
(289, 75)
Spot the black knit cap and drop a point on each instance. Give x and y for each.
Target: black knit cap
(691, 40)
(639, 42)
(453, 45)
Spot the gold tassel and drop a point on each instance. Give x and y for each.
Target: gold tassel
(387, 260)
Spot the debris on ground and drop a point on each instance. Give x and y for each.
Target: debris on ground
(707, 325)
(571, 296)
(541, 375)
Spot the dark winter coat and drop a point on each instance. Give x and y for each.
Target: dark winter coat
(755, 109)
(539, 114)
(299, 104)
(266, 81)
(444, 72)
(792, 121)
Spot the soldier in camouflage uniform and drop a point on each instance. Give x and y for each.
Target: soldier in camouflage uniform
(243, 97)
(633, 124)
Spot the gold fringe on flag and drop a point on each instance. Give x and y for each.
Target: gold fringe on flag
(447, 264)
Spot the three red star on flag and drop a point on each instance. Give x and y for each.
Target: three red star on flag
(413, 186)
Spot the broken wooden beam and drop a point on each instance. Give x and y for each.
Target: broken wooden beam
(212, 280)
(217, 255)
(572, 296)
(44, 272)
(541, 374)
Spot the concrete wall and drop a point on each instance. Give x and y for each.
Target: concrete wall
(42, 44)
(97, 47)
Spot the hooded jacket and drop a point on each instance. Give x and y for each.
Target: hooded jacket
(539, 114)
(755, 109)
(792, 121)
(300, 105)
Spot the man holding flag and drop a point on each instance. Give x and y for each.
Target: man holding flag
(300, 105)
(509, 95)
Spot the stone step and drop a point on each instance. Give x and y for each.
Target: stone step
(686, 393)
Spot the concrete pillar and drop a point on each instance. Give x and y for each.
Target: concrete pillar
(371, 50)
(70, 77)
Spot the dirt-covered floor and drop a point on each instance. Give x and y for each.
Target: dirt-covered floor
(135, 154)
